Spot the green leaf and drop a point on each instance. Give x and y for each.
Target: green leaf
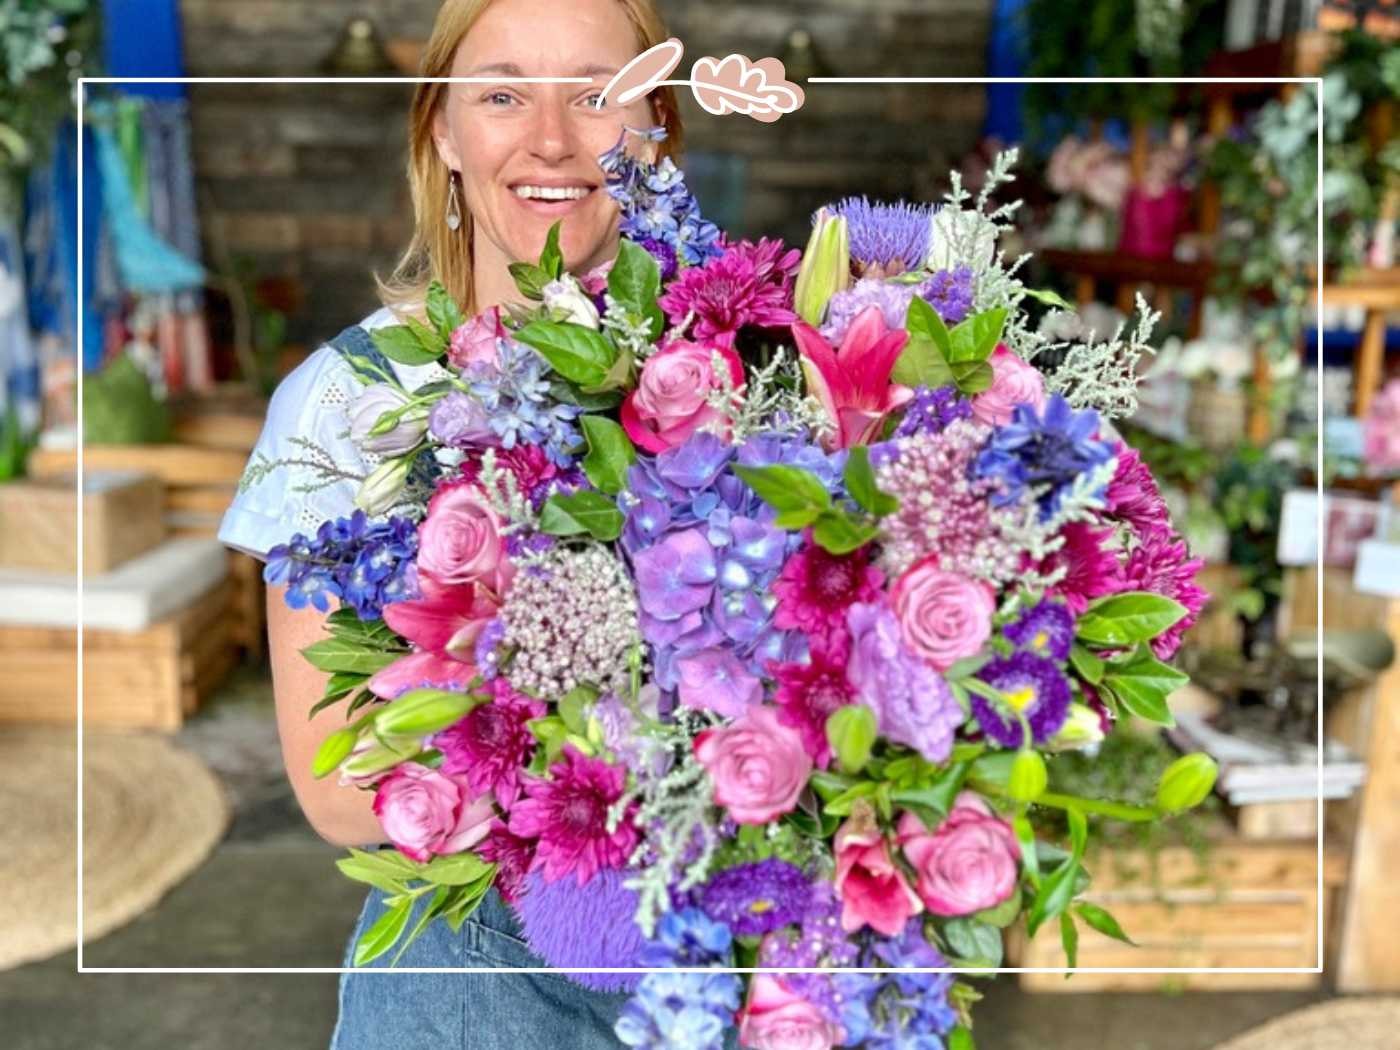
(1078, 833)
(975, 338)
(340, 654)
(635, 282)
(1004, 914)
(960, 1038)
(924, 359)
(610, 453)
(922, 319)
(572, 707)
(935, 799)
(435, 908)
(843, 803)
(1126, 619)
(530, 279)
(443, 312)
(387, 929)
(581, 355)
(797, 495)
(860, 483)
(386, 869)
(837, 532)
(551, 258)
(977, 944)
(818, 827)
(603, 401)
(1069, 937)
(409, 344)
(580, 513)
(1142, 684)
(1049, 298)
(1102, 921)
(829, 785)
(465, 901)
(457, 869)
(1025, 837)
(1053, 897)
(851, 730)
(1088, 664)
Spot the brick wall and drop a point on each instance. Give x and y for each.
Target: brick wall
(306, 181)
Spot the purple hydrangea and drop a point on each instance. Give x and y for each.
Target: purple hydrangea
(758, 898)
(1035, 687)
(913, 704)
(892, 237)
(931, 409)
(1046, 629)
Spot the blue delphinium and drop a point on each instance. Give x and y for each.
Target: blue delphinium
(892, 237)
(515, 392)
(897, 1011)
(656, 204)
(684, 1011)
(1046, 453)
(366, 566)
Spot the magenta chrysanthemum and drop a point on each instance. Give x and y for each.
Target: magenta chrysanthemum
(807, 694)
(815, 588)
(512, 856)
(568, 813)
(750, 284)
(491, 743)
(1162, 564)
(1090, 564)
(944, 511)
(1132, 495)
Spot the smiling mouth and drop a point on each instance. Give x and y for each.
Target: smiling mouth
(533, 192)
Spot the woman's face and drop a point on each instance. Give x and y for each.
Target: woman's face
(528, 153)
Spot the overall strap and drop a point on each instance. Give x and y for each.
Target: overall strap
(355, 342)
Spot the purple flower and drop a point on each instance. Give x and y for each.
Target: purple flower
(716, 680)
(677, 576)
(890, 237)
(950, 293)
(461, 421)
(1034, 687)
(1047, 629)
(913, 704)
(566, 924)
(758, 898)
(931, 410)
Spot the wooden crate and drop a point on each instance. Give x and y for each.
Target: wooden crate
(122, 517)
(149, 679)
(1252, 904)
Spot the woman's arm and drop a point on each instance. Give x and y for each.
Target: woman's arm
(340, 815)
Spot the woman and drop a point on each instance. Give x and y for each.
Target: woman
(492, 167)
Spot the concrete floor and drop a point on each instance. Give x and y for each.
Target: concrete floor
(269, 896)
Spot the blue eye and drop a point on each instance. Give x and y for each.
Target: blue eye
(593, 101)
(496, 97)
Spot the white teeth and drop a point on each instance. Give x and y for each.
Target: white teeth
(552, 193)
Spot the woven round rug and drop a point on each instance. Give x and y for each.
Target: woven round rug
(1370, 1023)
(151, 815)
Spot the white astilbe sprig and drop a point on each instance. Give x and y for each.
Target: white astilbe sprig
(314, 458)
(771, 401)
(501, 490)
(1104, 375)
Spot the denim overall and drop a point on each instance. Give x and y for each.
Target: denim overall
(385, 1010)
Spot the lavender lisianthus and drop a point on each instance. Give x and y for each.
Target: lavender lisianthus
(913, 704)
(461, 421)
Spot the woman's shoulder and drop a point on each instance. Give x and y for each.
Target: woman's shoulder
(326, 365)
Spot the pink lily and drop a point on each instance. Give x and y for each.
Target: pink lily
(443, 625)
(853, 383)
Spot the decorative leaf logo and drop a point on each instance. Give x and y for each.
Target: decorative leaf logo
(735, 85)
(732, 84)
(644, 72)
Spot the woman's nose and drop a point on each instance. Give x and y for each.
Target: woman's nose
(551, 133)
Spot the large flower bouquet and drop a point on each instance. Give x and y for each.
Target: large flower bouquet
(723, 610)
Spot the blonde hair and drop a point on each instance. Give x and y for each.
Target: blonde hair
(437, 252)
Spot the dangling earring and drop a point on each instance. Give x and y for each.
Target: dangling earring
(454, 210)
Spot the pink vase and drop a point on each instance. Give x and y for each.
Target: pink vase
(1151, 223)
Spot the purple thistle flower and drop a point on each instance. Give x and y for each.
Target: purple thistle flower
(757, 898)
(1046, 629)
(566, 924)
(890, 237)
(1035, 687)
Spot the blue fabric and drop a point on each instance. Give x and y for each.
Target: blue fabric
(141, 38)
(449, 1011)
(1006, 57)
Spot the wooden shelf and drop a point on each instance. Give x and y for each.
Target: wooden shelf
(1115, 266)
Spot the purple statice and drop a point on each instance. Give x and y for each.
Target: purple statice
(1044, 454)
(913, 704)
(705, 552)
(931, 409)
(887, 238)
(819, 939)
(949, 292)
(897, 1011)
(1046, 629)
(592, 925)
(1034, 687)
(521, 410)
(757, 898)
(365, 565)
(656, 204)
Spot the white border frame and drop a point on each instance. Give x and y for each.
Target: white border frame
(1321, 525)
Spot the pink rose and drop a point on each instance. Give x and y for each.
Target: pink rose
(775, 1018)
(669, 403)
(425, 813)
(595, 281)
(476, 339)
(1014, 382)
(461, 541)
(873, 890)
(968, 864)
(758, 765)
(943, 616)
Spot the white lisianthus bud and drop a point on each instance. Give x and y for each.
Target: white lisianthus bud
(568, 296)
(374, 429)
(381, 490)
(955, 229)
